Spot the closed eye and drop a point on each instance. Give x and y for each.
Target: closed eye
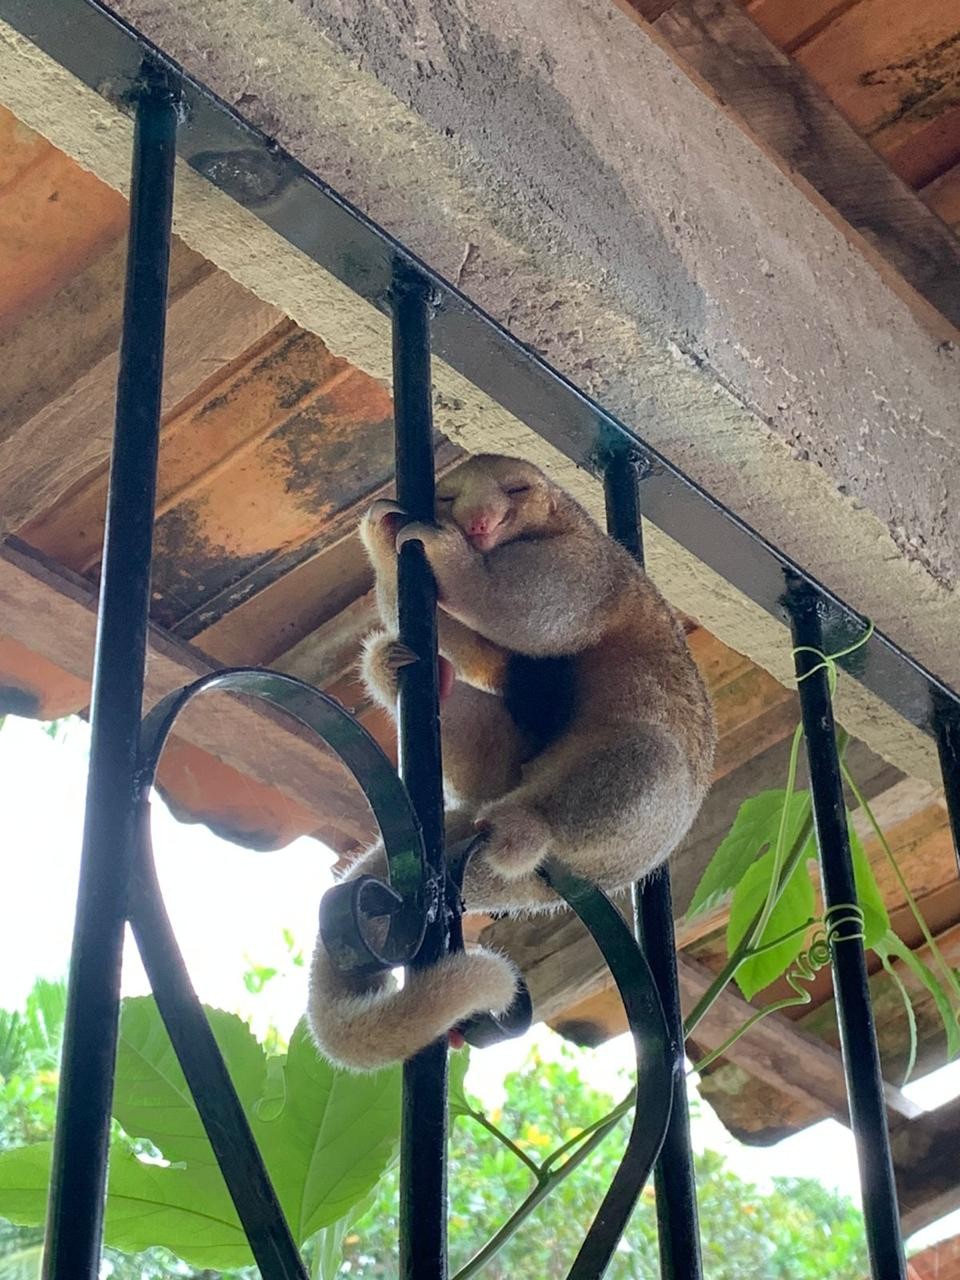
(442, 497)
(518, 488)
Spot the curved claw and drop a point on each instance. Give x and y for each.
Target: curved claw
(383, 507)
(415, 531)
(400, 655)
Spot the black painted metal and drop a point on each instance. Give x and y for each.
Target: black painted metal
(220, 1109)
(655, 1064)
(423, 1133)
(858, 1040)
(483, 1029)
(217, 1102)
(105, 53)
(948, 745)
(677, 1220)
(75, 1214)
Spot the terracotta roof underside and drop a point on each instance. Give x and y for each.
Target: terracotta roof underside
(939, 1262)
(271, 449)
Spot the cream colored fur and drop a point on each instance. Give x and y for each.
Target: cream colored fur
(523, 572)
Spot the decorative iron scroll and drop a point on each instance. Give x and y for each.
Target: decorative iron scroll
(349, 913)
(655, 1064)
(220, 1110)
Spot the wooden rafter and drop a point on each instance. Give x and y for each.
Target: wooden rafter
(54, 614)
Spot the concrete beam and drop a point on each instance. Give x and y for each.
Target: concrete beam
(592, 195)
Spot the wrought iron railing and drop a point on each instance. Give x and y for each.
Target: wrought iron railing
(176, 115)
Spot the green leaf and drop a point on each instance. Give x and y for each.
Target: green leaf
(185, 1210)
(328, 1246)
(876, 922)
(329, 1249)
(335, 1135)
(911, 1016)
(457, 1099)
(795, 908)
(12, 1043)
(44, 1015)
(326, 1136)
(151, 1098)
(188, 1211)
(24, 1179)
(891, 945)
(755, 829)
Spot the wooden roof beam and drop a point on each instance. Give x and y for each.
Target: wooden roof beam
(926, 1166)
(211, 322)
(783, 105)
(681, 272)
(54, 614)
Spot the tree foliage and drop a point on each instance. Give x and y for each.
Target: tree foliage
(330, 1142)
(793, 1231)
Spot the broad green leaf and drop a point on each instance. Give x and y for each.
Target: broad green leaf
(186, 1210)
(333, 1139)
(755, 829)
(795, 907)
(458, 1101)
(22, 1265)
(151, 1098)
(891, 945)
(273, 1098)
(24, 1179)
(326, 1137)
(876, 922)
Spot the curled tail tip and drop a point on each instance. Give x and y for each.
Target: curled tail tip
(371, 1031)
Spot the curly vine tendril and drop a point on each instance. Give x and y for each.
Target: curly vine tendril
(842, 922)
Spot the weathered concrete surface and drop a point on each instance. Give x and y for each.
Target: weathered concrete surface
(593, 198)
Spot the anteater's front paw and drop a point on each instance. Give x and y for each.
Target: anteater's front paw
(383, 658)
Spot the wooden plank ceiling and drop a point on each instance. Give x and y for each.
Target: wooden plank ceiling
(272, 446)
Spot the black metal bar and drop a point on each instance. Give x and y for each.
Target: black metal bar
(75, 1216)
(858, 1041)
(655, 1065)
(948, 746)
(216, 1099)
(423, 1135)
(102, 50)
(677, 1221)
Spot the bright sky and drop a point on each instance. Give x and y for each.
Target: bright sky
(230, 907)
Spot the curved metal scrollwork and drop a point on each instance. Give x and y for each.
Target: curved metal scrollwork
(351, 930)
(484, 1028)
(351, 912)
(655, 1063)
